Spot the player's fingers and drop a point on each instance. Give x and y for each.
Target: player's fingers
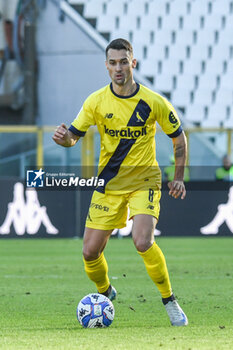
(183, 194)
(64, 126)
(176, 189)
(60, 131)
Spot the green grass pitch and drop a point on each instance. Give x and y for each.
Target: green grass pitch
(42, 281)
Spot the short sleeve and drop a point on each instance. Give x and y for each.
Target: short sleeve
(84, 119)
(167, 118)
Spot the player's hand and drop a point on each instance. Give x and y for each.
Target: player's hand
(61, 136)
(177, 189)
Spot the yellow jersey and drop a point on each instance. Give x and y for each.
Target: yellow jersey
(127, 127)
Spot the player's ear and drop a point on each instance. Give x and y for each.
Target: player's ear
(134, 63)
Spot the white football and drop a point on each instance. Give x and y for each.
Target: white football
(95, 311)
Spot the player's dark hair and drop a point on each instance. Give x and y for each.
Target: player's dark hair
(120, 44)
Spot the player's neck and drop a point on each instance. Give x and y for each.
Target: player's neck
(125, 90)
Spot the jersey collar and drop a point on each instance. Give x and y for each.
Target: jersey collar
(119, 96)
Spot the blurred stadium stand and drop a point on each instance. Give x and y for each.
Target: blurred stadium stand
(184, 50)
(174, 39)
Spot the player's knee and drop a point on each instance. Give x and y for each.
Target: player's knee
(90, 254)
(142, 244)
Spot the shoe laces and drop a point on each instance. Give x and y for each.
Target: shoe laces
(173, 310)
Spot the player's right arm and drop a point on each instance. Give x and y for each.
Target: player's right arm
(65, 137)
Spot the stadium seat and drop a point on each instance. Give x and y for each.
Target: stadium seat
(186, 37)
(118, 8)
(165, 82)
(140, 51)
(215, 21)
(171, 22)
(131, 22)
(151, 22)
(222, 51)
(142, 37)
(150, 67)
(140, 8)
(159, 8)
(222, 7)
(226, 82)
(179, 51)
(217, 66)
(157, 51)
(174, 66)
(211, 123)
(201, 7)
(207, 36)
(229, 20)
(194, 22)
(208, 81)
(218, 111)
(196, 67)
(201, 52)
(94, 8)
(165, 37)
(187, 81)
(195, 112)
(224, 96)
(107, 23)
(229, 121)
(225, 36)
(181, 97)
(204, 96)
(181, 7)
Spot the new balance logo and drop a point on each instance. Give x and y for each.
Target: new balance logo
(108, 115)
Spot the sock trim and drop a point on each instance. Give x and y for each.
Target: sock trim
(166, 300)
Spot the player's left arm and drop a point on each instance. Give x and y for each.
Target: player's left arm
(177, 187)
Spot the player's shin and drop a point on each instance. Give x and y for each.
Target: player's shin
(97, 271)
(156, 267)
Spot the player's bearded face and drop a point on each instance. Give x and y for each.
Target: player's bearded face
(120, 66)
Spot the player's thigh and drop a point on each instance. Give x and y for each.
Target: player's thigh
(94, 242)
(144, 209)
(107, 211)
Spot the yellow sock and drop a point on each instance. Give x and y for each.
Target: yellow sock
(97, 271)
(155, 263)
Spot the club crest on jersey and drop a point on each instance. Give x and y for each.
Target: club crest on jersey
(172, 118)
(126, 133)
(139, 118)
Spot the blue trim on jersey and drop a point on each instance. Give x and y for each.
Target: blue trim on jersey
(135, 92)
(176, 133)
(111, 169)
(76, 131)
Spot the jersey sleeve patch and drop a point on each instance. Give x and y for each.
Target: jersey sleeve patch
(76, 131)
(176, 133)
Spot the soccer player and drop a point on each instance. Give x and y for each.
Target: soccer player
(126, 113)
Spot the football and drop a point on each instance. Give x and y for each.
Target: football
(95, 311)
